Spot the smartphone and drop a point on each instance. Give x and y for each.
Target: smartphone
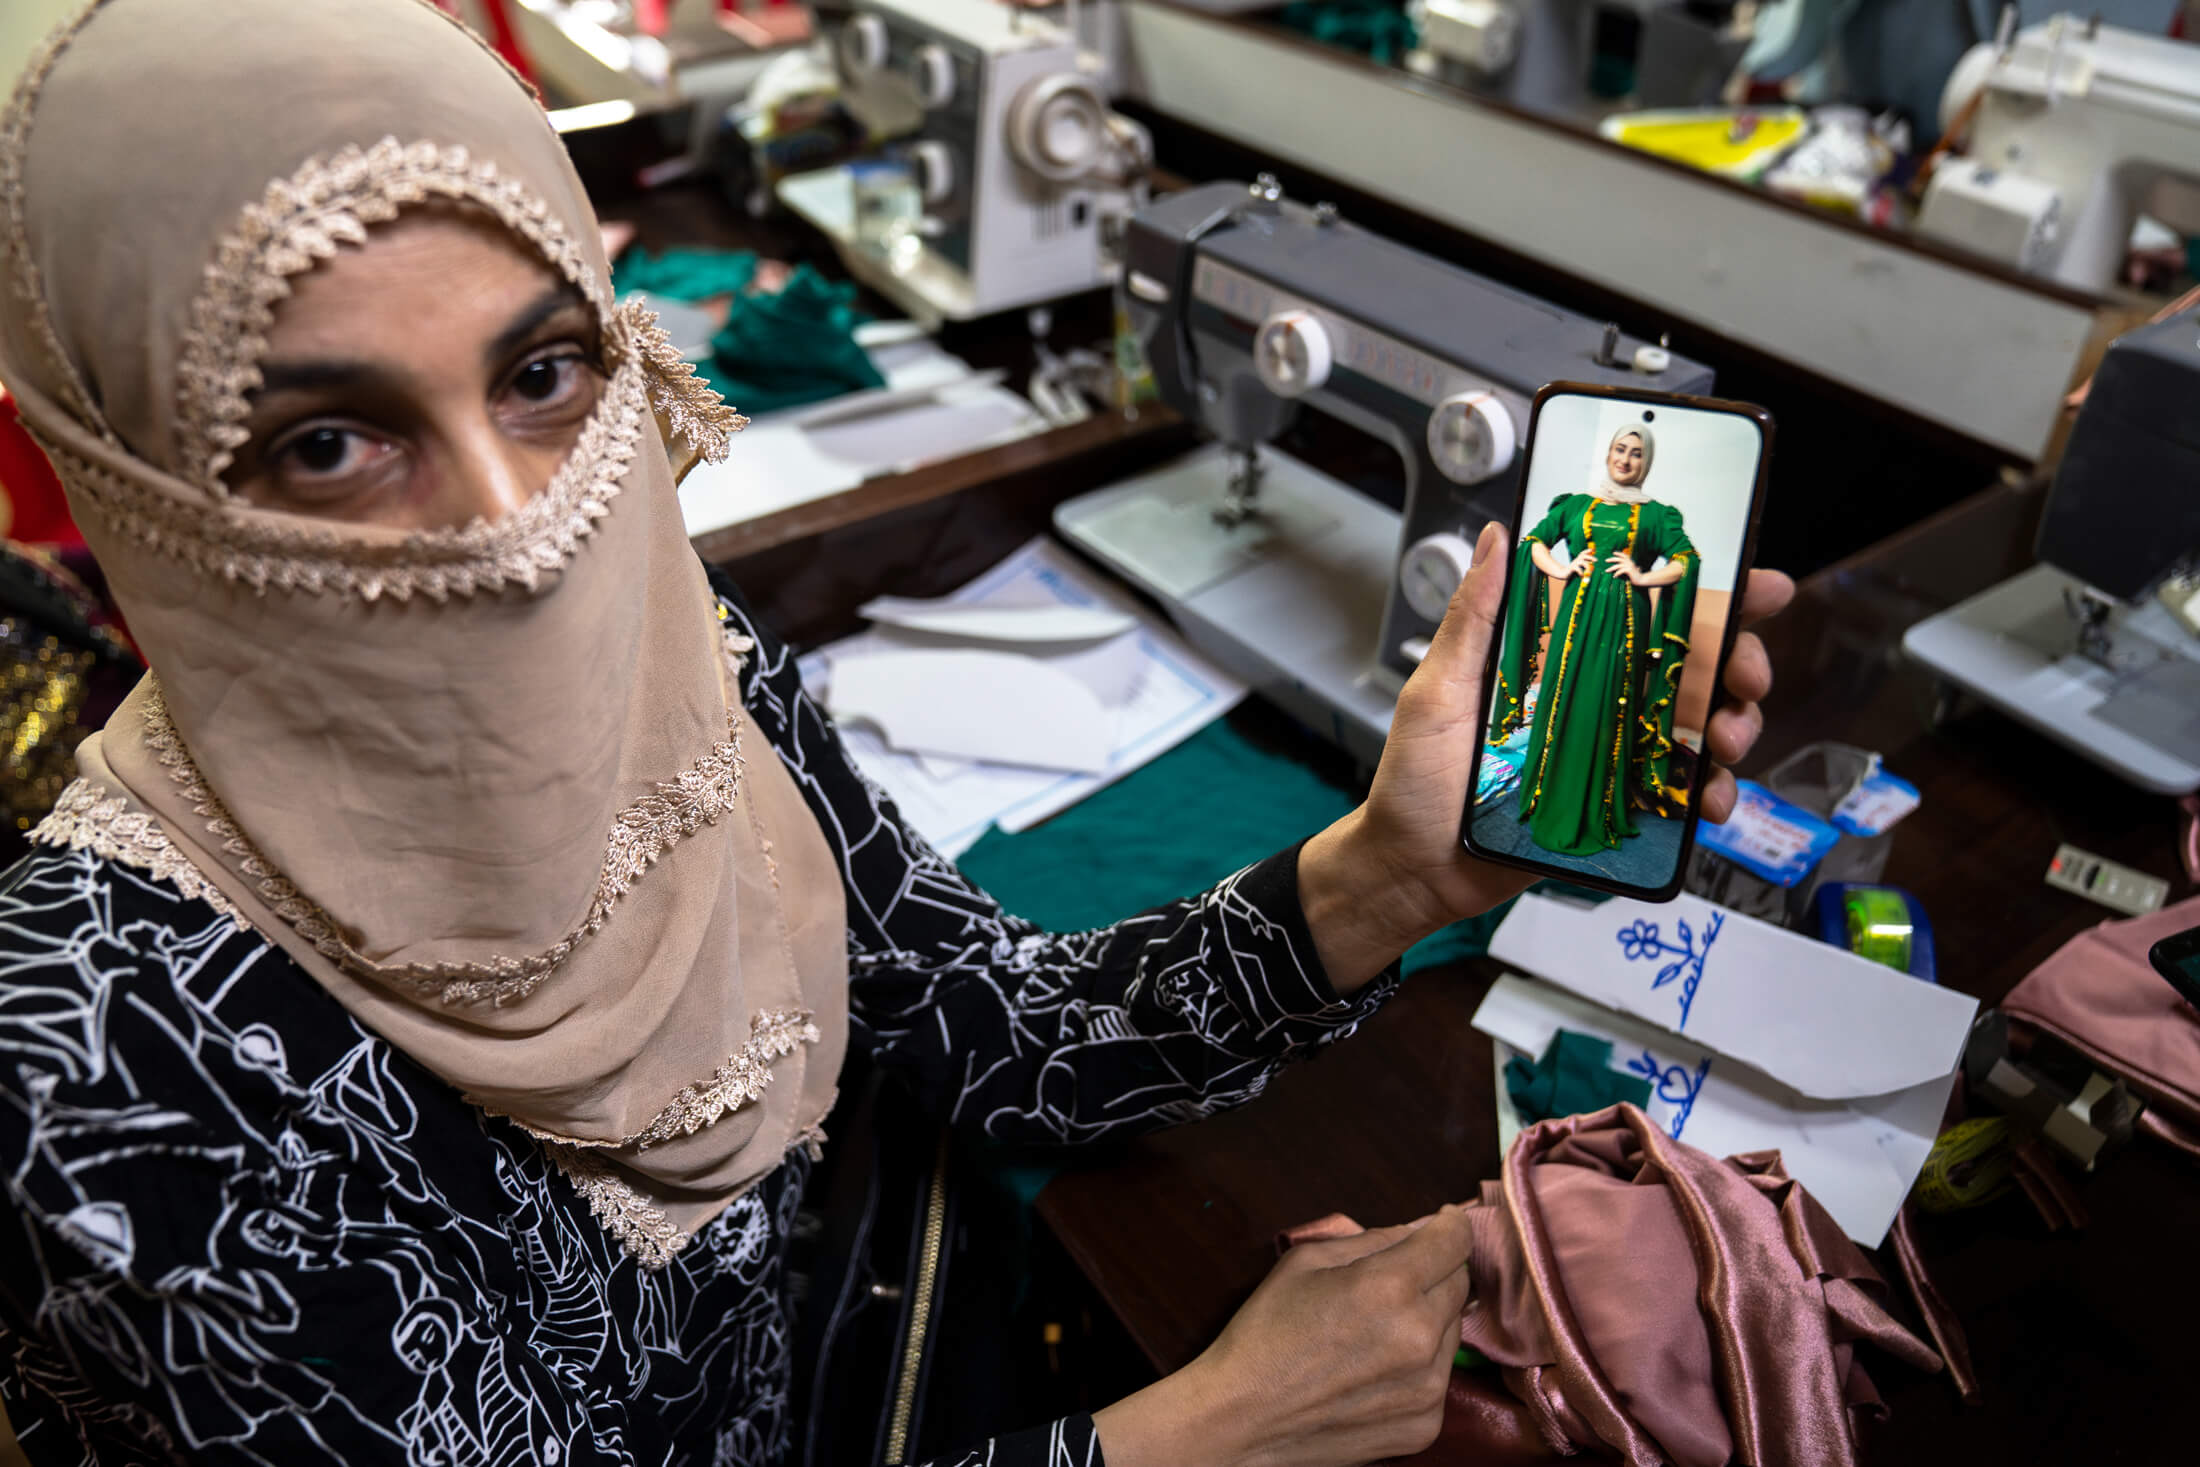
(2177, 958)
(1631, 542)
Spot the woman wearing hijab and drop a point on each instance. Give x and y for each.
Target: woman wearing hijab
(1601, 742)
(418, 1021)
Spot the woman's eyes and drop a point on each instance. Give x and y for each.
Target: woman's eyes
(325, 452)
(555, 379)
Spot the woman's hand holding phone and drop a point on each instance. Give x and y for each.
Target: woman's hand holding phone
(1393, 871)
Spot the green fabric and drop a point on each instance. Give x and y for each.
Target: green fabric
(1213, 804)
(1378, 29)
(1602, 737)
(795, 347)
(1575, 1077)
(684, 275)
(777, 350)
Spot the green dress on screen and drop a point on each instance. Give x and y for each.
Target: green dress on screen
(1601, 743)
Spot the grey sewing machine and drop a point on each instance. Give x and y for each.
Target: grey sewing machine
(2096, 645)
(1017, 159)
(1250, 306)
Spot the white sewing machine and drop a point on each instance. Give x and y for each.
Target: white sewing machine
(1537, 54)
(2098, 645)
(2080, 129)
(1016, 157)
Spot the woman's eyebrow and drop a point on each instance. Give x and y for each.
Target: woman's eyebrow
(529, 321)
(318, 376)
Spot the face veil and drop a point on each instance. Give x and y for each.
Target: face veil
(490, 785)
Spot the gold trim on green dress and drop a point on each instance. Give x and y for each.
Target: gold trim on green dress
(1601, 744)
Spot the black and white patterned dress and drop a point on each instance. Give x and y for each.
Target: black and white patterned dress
(242, 1228)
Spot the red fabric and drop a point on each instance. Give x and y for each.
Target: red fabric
(32, 508)
(1649, 1303)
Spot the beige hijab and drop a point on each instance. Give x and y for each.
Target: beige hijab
(1612, 489)
(490, 786)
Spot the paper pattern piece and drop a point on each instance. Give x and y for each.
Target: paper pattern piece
(1160, 691)
(963, 703)
(1858, 1157)
(1825, 1021)
(1005, 624)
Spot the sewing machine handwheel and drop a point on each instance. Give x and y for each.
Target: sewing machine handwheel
(1056, 126)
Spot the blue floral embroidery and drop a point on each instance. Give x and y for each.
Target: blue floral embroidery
(1641, 943)
(1675, 1085)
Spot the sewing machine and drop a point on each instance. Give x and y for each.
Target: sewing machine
(1539, 54)
(2080, 128)
(2098, 645)
(1016, 159)
(1250, 307)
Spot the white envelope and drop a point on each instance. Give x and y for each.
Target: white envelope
(1754, 1037)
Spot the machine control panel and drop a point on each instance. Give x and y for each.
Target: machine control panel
(1298, 346)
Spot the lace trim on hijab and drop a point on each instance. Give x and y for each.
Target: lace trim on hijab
(24, 279)
(694, 411)
(87, 818)
(642, 833)
(740, 1081)
(639, 1225)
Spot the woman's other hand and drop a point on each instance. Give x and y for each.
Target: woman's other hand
(1342, 1355)
(1623, 565)
(1394, 870)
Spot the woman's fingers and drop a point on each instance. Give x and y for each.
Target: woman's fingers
(1767, 592)
(1749, 670)
(1718, 797)
(1733, 731)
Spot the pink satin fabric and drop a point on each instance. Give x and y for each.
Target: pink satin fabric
(2101, 996)
(1650, 1303)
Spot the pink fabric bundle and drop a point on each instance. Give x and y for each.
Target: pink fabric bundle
(2099, 995)
(1647, 1302)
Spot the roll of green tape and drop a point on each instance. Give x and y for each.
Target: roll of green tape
(1879, 926)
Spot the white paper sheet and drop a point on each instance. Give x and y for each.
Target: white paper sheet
(1825, 1021)
(778, 462)
(1014, 625)
(1161, 690)
(970, 703)
(1857, 1157)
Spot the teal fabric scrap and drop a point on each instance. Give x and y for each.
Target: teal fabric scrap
(1574, 1077)
(1212, 805)
(1378, 29)
(777, 350)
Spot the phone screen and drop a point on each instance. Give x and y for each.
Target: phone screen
(1628, 555)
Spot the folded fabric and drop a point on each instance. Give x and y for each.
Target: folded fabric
(778, 349)
(2101, 996)
(1574, 1076)
(1645, 1301)
(794, 346)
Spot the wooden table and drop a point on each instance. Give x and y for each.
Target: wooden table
(2081, 1342)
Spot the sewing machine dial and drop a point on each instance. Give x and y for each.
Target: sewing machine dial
(1470, 437)
(1432, 571)
(932, 71)
(1291, 353)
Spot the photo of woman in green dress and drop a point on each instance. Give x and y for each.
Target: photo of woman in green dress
(1608, 655)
